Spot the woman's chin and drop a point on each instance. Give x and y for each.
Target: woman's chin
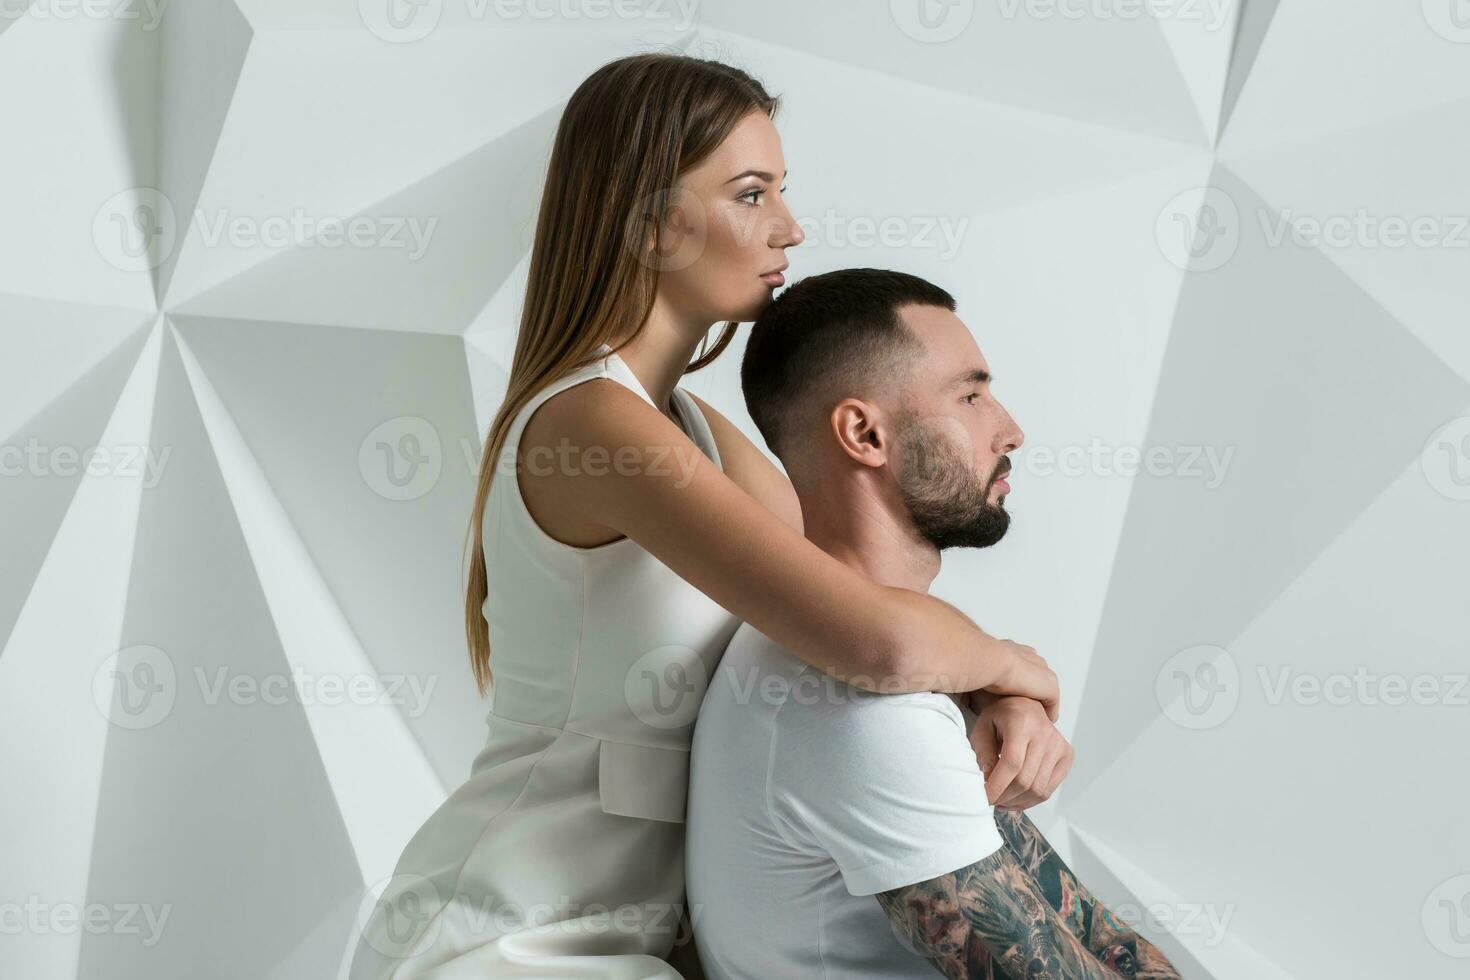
(754, 307)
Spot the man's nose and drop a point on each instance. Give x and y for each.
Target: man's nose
(1011, 435)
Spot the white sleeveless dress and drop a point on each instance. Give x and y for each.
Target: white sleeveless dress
(562, 856)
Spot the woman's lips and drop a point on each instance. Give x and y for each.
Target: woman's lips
(773, 279)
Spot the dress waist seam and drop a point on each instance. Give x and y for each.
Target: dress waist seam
(573, 731)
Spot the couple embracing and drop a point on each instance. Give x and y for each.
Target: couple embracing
(840, 792)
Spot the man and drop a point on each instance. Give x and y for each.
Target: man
(836, 832)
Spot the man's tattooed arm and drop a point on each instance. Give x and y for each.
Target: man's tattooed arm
(989, 920)
(1111, 940)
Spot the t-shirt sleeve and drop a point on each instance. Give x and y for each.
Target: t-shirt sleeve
(887, 785)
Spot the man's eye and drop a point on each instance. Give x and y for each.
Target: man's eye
(967, 398)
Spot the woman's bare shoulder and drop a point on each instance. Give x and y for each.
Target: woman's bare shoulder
(582, 409)
(562, 439)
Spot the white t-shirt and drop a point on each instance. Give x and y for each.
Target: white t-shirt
(806, 797)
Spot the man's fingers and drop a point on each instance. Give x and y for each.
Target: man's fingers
(1018, 799)
(1064, 766)
(986, 744)
(1007, 767)
(1054, 753)
(1046, 773)
(1035, 755)
(1020, 787)
(1055, 767)
(1022, 796)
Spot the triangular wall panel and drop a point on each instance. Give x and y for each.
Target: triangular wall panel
(375, 476)
(214, 808)
(1273, 381)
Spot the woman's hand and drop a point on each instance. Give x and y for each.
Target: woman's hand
(1022, 754)
(1027, 675)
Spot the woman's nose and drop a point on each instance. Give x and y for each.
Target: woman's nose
(790, 232)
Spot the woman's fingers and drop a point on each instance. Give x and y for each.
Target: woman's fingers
(1031, 677)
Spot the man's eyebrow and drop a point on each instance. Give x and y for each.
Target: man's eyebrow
(765, 175)
(970, 376)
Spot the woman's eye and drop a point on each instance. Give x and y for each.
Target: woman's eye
(755, 192)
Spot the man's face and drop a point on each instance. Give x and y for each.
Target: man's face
(952, 437)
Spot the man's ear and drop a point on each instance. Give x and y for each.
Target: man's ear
(861, 431)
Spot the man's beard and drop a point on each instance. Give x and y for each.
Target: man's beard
(949, 507)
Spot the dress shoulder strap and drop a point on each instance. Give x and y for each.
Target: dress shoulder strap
(610, 365)
(599, 368)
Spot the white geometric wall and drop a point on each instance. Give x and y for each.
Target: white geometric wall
(260, 264)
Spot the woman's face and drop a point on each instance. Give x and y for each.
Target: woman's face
(729, 229)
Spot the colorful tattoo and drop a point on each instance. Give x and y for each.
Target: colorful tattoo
(1110, 939)
(1019, 914)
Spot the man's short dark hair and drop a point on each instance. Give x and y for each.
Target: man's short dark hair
(829, 337)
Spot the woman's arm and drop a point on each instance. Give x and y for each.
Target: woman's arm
(655, 485)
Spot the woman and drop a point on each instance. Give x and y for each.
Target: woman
(627, 530)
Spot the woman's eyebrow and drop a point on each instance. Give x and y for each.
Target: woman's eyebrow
(765, 175)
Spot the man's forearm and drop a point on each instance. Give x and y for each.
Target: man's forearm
(1108, 938)
(990, 920)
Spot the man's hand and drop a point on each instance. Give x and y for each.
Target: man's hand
(1022, 754)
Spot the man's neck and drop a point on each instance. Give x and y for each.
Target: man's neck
(861, 532)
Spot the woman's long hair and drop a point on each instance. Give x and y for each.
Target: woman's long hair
(627, 133)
